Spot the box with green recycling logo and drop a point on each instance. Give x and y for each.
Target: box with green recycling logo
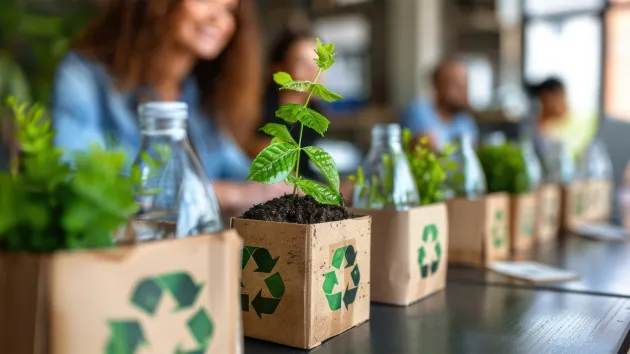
(550, 203)
(303, 284)
(599, 200)
(410, 251)
(523, 222)
(479, 229)
(574, 205)
(173, 296)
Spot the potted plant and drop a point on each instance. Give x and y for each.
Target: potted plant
(400, 186)
(68, 288)
(306, 261)
(478, 221)
(506, 171)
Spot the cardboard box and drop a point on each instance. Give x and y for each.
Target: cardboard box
(550, 206)
(156, 297)
(303, 284)
(523, 221)
(599, 200)
(479, 229)
(574, 204)
(410, 253)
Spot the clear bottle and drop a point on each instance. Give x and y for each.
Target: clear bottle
(533, 165)
(468, 180)
(558, 164)
(596, 163)
(388, 181)
(175, 192)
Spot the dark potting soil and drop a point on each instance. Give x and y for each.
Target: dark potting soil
(302, 210)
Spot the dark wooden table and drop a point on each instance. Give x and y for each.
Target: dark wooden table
(482, 312)
(604, 267)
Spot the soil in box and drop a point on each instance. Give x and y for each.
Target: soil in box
(303, 283)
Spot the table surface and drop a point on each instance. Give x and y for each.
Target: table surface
(468, 318)
(604, 267)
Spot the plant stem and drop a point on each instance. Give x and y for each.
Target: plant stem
(297, 166)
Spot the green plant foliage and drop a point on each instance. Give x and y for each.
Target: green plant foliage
(48, 203)
(277, 161)
(505, 169)
(429, 168)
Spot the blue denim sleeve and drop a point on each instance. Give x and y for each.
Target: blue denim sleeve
(75, 113)
(235, 162)
(416, 117)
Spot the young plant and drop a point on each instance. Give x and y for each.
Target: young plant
(505, 169)
(49, 202)
(280, 161)
(429, 168)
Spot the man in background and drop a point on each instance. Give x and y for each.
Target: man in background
(446, 118)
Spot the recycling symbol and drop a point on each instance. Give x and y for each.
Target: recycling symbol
(275, 284)
(527, 225)
(127, 336)
(330, 279)
(430, 233)
(497, 236)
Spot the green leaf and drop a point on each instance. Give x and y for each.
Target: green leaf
(274, 163)
(320, 193)
(325, 55)
(312, 119)
(325, 164)
(327, 95)
(280, 132)
(299, 86)
(288, 112)
(282, 78)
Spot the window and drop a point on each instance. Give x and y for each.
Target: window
(617, 80)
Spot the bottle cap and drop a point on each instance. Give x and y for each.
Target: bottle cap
(163, 110)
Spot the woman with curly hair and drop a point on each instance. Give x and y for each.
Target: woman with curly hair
(202, 52)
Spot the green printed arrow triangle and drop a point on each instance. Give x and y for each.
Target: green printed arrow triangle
(125, 338)
(338, 257)
(263, 260)
(275, 285)
(349, 296)
(181, 287)
(330, 280)
(147, 296)
(263, 305)
(355, 275)
(351, 256)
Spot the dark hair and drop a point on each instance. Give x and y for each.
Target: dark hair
(443, 65)
(284, 42)
(552, 84)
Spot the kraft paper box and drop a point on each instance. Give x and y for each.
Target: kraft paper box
(523, 221)
(157, 297)
(479, 229)
(598, 200)
(549, 208)
(303, 284)
(410, 253)
(574, 205)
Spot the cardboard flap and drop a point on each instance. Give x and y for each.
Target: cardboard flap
(158, 297)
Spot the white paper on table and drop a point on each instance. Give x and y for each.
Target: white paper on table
(603, 232)
(533, 272)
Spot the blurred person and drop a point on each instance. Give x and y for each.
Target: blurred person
(293, 53)
(552, 115)
(204, 53)
(447, 117)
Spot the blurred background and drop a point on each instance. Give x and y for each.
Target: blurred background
(388, 50)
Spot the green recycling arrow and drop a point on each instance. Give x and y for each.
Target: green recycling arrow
(127, 336)
(430, 233)
(330, 279)
(275, 284)
(180, 286)
(497, 236)
(527, 226)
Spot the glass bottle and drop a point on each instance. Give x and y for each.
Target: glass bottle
(388, 181)
(176, 197)
(468, 180)
(595, 163)
(533, 166)
(558, 165)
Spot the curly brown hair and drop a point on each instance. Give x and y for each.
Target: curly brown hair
(127, 33)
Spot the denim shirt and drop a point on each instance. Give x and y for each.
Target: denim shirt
(422, 117)
(87, 109)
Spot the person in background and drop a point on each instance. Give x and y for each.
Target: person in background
(447, 117)
(551, 118)
(293, 52)
(204, 53)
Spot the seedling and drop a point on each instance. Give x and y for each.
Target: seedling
(280, 161)
(505, 169)
(49, 202)
(429, 168)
